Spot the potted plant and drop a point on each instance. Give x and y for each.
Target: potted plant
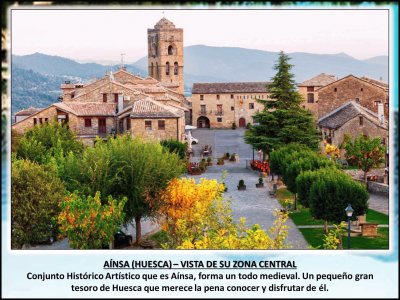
(241, 186)
(227, 155)
(209, 161)
(260, 183)
(220, 161)
(196, 171)
(203, 165)
(234, 125)
(248, 126)
(233, 157)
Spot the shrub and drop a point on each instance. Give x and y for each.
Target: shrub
(330, 194)
(248, 125)
(203, 165)
(241, 182)
(220, 161)
(227, 155)
(87, 223)
(175, 146)
(234, 125)
(260, 180)
(35, 193)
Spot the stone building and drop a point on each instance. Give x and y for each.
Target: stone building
(218, 105)
(121, 102)
(364, 91)
(165, 54)
(309, 90)
(353, 119)
(23, 114)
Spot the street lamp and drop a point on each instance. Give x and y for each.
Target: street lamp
(349, 212)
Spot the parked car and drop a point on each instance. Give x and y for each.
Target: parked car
(121, 240)
(194, 140)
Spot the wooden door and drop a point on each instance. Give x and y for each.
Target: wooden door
(102, 126)
(242, 122)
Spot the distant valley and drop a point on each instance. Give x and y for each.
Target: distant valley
(36, 78)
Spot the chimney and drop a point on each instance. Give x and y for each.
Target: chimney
(120, 102)
(381, 115)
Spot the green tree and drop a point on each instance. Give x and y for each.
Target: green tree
(365, 152)
(124, 167)
(48, 140)
(330, 194)
(283, 120)
(35, 193)
(87, 223)
(175, 146)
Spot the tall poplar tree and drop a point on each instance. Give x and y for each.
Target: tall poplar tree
(283, 120)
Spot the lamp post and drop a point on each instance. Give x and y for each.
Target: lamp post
(349, 212)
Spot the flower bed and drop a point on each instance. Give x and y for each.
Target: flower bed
(260, 166)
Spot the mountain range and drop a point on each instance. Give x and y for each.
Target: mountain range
(36, 77)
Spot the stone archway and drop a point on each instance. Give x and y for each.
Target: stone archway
(242, 122)
(203, 122)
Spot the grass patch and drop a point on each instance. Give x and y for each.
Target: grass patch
(302, 215)
(314, 237)
(374, 216)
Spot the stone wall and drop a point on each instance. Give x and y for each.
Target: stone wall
(173, 129)
(354, 129)
(234, 107)
(94, 129)
(50, 113)
(378, 188)
(313, 107)
(350, 88)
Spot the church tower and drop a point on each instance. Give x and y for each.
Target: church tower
(165, 54)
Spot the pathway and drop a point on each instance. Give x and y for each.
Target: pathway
(255, 204)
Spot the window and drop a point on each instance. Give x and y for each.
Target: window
(335, 90)
(377, 102)
(201, 97)
(116, 97)
(217, 97)
(88, 122)
(128, 123)
(46, 120)
(176, 68)
(147, 125)
(383, 141)
(361, 89)
(232, 96)
(121, 125)
(310, 89)
(72, 95)
(104, 97)
(171, 50)
(358, 100)
(161, 125)
(219, 120)
(167, 68)
(219, 109)
(203, 109)
(151, 70)
(34, 121)
(251, 105)
(361, 119)
(232, 108)
(40, 120)
(157, 71)
(310, 98)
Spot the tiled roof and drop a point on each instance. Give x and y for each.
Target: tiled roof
(376, 82)
(166, 97)
(147, 108)
(319, 80)
(27, 112)
(229, 87)
(338, 117)
(88, 108)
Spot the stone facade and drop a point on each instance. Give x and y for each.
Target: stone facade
(309, 90)
(213, 109)
(122, 101)
(165, 54)
(349, 88)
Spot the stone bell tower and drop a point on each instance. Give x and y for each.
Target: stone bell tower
(165, 54)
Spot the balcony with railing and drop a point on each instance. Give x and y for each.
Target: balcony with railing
(204, 112)
(219, 112)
